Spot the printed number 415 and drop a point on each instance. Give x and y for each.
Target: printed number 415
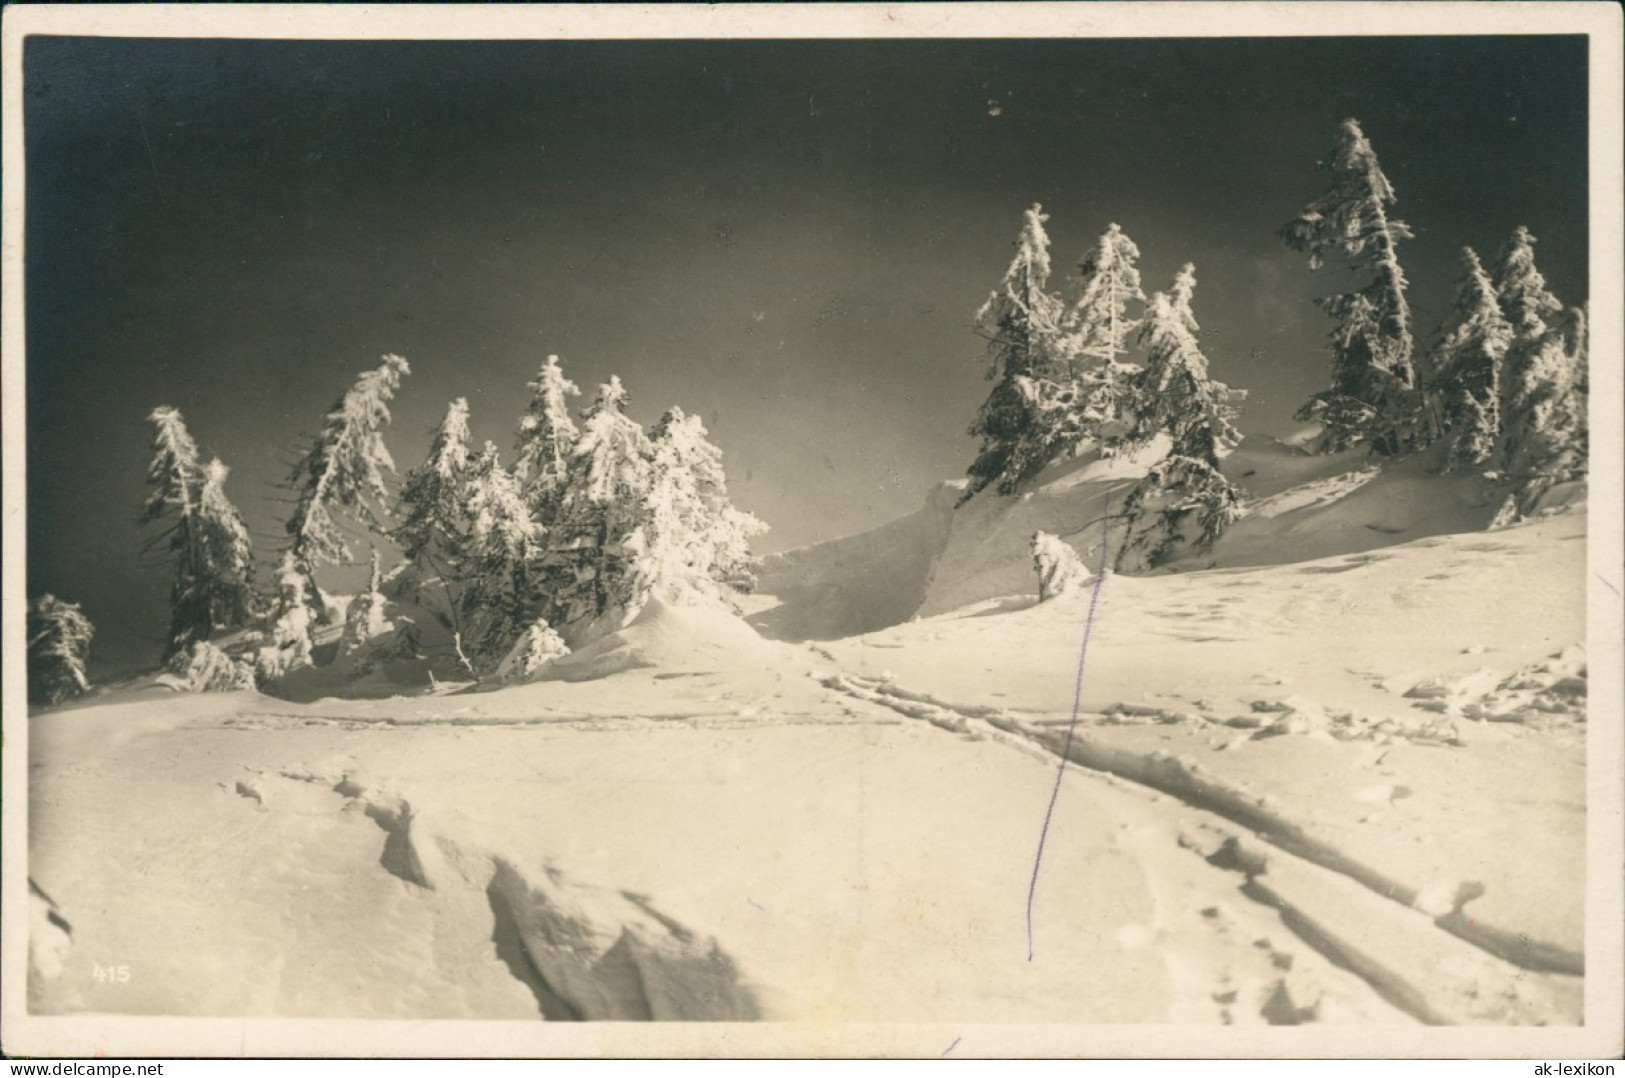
(111, 974)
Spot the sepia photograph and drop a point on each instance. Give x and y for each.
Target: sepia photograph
(1055, 529)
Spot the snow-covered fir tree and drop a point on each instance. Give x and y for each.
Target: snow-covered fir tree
(1029, 418)
(601, 513)
(1176, 395)
(1544, 437)
(59, 637)
(500, 567)
(1095, 337)
(547, 436)
(176, 476)
(228, 553)
(1467, 367)
(433, 510)
(1521, 288)
(696, 539)
(342, 472)
(1373, 397)
(212, 587)
(174, 473)
(1184, 503)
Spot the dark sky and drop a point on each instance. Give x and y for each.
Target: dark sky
(789, 238)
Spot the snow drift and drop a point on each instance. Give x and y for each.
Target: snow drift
(1299, 507)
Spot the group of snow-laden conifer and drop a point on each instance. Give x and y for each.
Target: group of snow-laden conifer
(1502, 391)
(1063, 385)
(516, 562)
(1504, 385)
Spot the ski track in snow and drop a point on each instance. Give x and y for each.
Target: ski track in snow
(1480, 973)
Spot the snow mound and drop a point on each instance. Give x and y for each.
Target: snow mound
(668, 636)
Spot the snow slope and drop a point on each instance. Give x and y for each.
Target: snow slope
(1343, 788)
(1301, 682)
(1299, 507)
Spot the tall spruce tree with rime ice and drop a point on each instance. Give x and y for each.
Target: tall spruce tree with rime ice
(1095, 336)
(1184, 503)
(1176, 394)
(213, 559)
(696, 540)
(500, 566)
(1543, 388)
(1467, 367)
(59, 637)
(1028, 418)
(547, 436)
(1373, 397)
(342, 472)
(176, 477)
(228, 553)
(433, 509)
(1521, 288)
(602, 511)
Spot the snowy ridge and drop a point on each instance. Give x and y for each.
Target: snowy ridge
(1299, 508)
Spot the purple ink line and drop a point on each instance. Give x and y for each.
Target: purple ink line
(1077, 705)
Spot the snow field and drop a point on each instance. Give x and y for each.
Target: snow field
(1288, 780)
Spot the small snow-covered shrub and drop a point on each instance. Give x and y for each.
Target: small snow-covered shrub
(58, 646)
(290, 638)
(1059, 570)
(203, 667)
(538, 644)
